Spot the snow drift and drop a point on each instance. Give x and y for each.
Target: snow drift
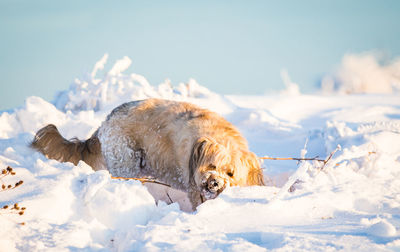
(364, 73)
(353, 203)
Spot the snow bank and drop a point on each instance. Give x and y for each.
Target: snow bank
(363, 73)
(115, 88)
(351, 203)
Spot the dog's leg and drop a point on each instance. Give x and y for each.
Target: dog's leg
(195, 197)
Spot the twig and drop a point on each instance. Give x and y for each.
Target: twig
(143, 180)
(4, 173)
(329, 157)
(169, 199)
(10, 187)
(15, 208)
(297, 159)
(292, 188)
(324, 161)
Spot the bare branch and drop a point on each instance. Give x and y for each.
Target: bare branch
(330, 157)
(15, 208)
(324, 161)
(170, 200)
(143, 180)
(297, 159)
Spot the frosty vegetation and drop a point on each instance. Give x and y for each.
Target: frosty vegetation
(353, 203)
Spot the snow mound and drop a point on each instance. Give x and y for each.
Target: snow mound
(379, 227)
(363, 73)
(115, 88)
(350, 203)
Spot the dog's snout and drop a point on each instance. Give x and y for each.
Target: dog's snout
(213, 183)
(212, 186)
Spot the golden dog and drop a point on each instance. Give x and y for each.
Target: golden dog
(192, 149)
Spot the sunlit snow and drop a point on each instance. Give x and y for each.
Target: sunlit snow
(353, 203)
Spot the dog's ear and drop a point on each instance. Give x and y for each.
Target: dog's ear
(207, 151)
(255, 174)
(197, 154)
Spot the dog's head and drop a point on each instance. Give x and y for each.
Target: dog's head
(213, 167)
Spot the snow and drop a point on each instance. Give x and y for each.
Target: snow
(367, 72)
(351, 203)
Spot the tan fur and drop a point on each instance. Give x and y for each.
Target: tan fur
(190, 148)
(49, 141)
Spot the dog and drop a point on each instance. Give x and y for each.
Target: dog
(187, 147)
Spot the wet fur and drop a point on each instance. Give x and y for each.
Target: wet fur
(190, 148)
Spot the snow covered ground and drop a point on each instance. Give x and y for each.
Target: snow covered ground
(352, 204)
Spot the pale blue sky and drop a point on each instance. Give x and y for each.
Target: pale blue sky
(231, 47)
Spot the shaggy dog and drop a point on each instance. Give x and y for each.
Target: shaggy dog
(189, 148)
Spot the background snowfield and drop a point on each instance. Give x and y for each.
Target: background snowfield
(353, 203)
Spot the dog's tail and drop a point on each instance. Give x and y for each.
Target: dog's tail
(50, 143)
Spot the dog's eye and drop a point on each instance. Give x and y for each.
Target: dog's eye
(213, 167)
(230, 174)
